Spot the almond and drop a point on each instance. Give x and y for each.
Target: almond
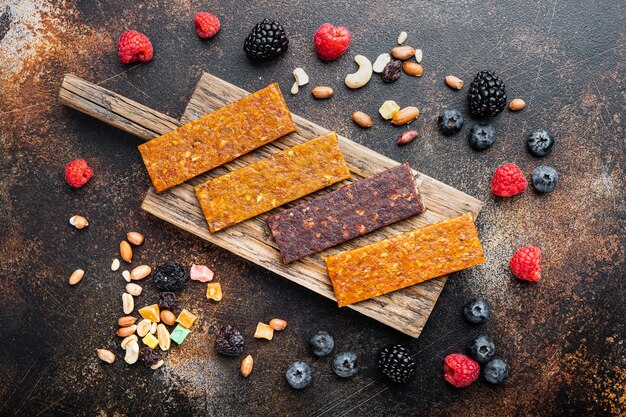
(76, 276)
(322, 92)
(105, 355)
(405, 115)
(168, 317)
(246, 366)
(407, 137)
(140, 272)
(517, 104)
(413, 68)
(126, 331)
(126, 251)
(362, 119)
(403, 52)
(135, 238)
(454, 82)
(126, 321)
(79, 222)
(278, 324)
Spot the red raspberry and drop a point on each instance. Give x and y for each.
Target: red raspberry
(77, 173)
(331, 41)
(508, 180)
(207, 25)
(134, 46)
(460, 370)
(526, 263)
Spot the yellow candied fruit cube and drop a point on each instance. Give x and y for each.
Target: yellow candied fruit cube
(186, 318)
(150, 341)
(214, 291)
(151, 313)
(264, 331)
(388, 109)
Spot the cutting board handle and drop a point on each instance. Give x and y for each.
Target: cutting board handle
(114, 109)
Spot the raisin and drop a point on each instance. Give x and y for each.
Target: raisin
(229, 341)
(169, 277)
(149, 356)
(167, 301)
(391, 72)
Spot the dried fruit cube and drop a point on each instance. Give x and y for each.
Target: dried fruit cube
(151, 313)
(150, 341)
(179, 334)
(214, 291)
(388, 109)
(186, 318)
(264, 331)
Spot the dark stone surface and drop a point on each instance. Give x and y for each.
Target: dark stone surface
(563, 337)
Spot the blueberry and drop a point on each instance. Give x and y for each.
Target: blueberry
(482, 349)
(540, 142)
(544, 178)
(299, 375)
(482, 136)
(450, 121)
(321, 343)
(476, 311)
(496, 371)
(345, 364)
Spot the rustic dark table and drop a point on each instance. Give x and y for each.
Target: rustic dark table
(564, 337)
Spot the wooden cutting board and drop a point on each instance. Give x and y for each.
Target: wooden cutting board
(405, 310)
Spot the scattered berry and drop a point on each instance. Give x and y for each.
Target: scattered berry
(299, 375)
(167, 301)
(77, 173)
(345, 364)
(267, 40)
(331, 41)
(481, 136)
(321, 343)
(229, 341)
(540, 142)
(482, 349)
(544, 178)
(169, 277)
(460, 370)
(396, 362)
(149, 356)
(526, 263)
(207, 25)
(496, 371)
(134, 46)
(508, 180)
(487, 95)
(476, 311)
(450, 121)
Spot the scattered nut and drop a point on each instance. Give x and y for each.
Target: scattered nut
(363, 74)
(381, 61)
(153, 328)
(164, 337)
(126, 275)
(128, 303)
(133, 289)
(105, 355)
(301, 77)
(362, 119)
(321, 92)
(157, 365)
(214, 291)
(76, 276)
(135, 238)
(140, 272)
(278, 324)
(402, 37)
(115, 265)
(126, 252)
(126, 321)
(392, 71)
(79, 222)
(517, 104)
(246, 366)
(263, 331)
(132, 352)
(413, 69)
(127, 340)
(168, 317)
(407, 137)
(143, 327)
(454, 82)
(388, 109)
(295, 88)
(126, 331)
(403, 52)
(418, 56)
(405, 115)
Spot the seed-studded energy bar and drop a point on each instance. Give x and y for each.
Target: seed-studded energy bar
(407, 259)
(346, 213)
(272, 182)
(217, 138)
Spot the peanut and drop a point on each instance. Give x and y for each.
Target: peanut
(105, 355)
(135, 238)
(79, 222)
(126, 321)
(407, 137)
(413, 68)
(128, 303)
(278, 324)
(322, 92)
(380, 63)
(164, 337)
(143, 327)
(126, 251)
(418, 56)
(153, 328)
(402, 37)
(133, 289)
(140, 272)
(126, 331)
(454, 82)
(127, 340)
(76, 276)
(362, 119)
(405, 115)
(246, 366)
(115, 265)
(132, 352)
(517, 104)
(157, 365)
(403, 52)
(168, 317)
(126, 275)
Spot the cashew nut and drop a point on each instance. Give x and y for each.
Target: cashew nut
(362, 76)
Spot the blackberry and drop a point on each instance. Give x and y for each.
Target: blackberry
(450, 121)
(482, 349)
(395, 362)
(321, 343)
(345, 364)
(481, 136)
(544, 178)
(299, 375)
(496, 371)
(267, 40)
(476, 311)
(229, 341)
(169, 277)
(540, 142)
(149, 356)
(167, 301)
(487, 95)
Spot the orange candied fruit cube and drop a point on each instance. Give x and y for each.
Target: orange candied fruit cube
(186, 318)
(151, 313)
(214, 291)
(264, 331)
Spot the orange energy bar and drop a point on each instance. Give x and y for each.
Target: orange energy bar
(407, 259)
(217, 138)
(272, 182)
